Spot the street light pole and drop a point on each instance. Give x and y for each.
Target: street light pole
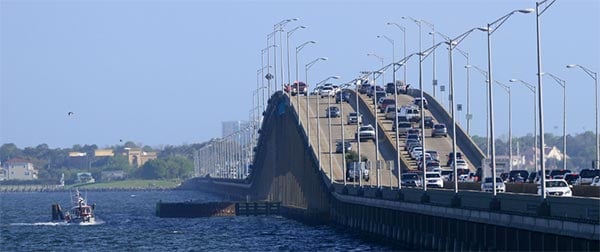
(306, 67)
(298, 49)
(487, 111)
(507, 89)
(381, 59)
(594, 76)
(289, 33)
(535, 137)
(490, 31)
(468, 116)
(319, 119)
(404, 45)
(393, 56)
(563, 84)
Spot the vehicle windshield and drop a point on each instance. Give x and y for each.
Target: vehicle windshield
(557, 183)
(489, 180)
(352, 114)
(410, 176)
(432, 175)
(439, 126)
(365, 128)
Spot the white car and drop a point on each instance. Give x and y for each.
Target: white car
(434, 179)
(556, 187)
(365, 133)
(327, 91)
(487, 185)
(595, 181)
(460, 164)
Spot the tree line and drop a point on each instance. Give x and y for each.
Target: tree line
(173, 162)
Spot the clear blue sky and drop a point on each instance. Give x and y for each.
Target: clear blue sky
(169, 72)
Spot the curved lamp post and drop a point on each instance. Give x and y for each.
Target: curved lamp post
(563, 84)
(535, 136)
(306, 67)
(403, 29)
(298, 49)
(490, 29)
(594, 76)
(318, 119)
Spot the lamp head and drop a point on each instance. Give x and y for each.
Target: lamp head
(513, 80)
(468, 66)
(302, 27)
(390, 23)
(378, 36)
(525, 11)
(483, 29)
(335, 77)
(312, 42)
(571, 65)
(323, 58)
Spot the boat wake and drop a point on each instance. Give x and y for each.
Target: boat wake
(54, 223)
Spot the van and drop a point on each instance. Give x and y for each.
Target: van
(412, 113)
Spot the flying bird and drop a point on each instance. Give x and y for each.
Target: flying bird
(121, 140)
(70, 113)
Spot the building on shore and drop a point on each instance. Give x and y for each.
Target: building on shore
(18, 169)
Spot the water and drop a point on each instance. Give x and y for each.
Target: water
(126, 222)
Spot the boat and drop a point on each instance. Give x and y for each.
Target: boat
(80, 212)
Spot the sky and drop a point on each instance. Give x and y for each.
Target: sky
(169, 72)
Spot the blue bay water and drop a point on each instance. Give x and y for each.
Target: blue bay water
(127, 223)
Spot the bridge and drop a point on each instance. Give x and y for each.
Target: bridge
(286, 169)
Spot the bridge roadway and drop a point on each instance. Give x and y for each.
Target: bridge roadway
(387, 141)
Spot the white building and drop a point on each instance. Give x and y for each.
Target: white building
(19, 169)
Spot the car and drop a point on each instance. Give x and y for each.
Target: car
(379, 94)
(354, 118)
(558, 174)
(434, 154)
(374, 89)
(332, 112)
(518, 176)
(340, 146)
(487, 185)
(326, 91)
(434, 179)
(429, 122)
(439, 130)
(403, 127)
(571, 178)
(587, 175)
(357, 170)
(385, 103)
(400, 87)
(451, 157)
(365, 133)
(413, 136)
(556, 187)
(416, 151)
(411, 180)
(414, 131)
(299, 88)
(390, 112)
(364, 88)
(409, 142)
(342, 96)
(417, 102)
(411, 112)
(595, 181)
(460, 164)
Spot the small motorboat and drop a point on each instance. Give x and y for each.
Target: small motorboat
(80, 213)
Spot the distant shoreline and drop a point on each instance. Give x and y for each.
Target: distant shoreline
(125, 185)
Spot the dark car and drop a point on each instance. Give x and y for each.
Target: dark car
(364, 88)
(518, 176)
(332, 112)
(558, 174)
(417, 102)
(429, 121)
(451, 157)
(400, 87)
(342, 96)
(571, 178)
(339, 146)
